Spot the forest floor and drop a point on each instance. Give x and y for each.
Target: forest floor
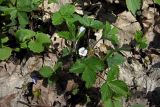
(142, 79)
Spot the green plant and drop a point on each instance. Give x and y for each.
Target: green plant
(35, 41)
(141, 40)
(19, 9)
(5, 51)
(134, 5)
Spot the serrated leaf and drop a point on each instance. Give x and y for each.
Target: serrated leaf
(119, 87)
(46, 71)
(35, 46)
(23, 45)
(133, 5)
(157, 2)
(66, 35)
(113, 73)
(24, 34)
(117, 103)
(77, 67)
(141, 40)
(57, 18)
(87, 69)
(96, 24)
(25, 5)
(110, 33)
(23, 19)
(108, 103)
(43, 38)
(89, 76)
(106, 92)
(67, 10)
(98, 64)
(5, 53)
(116, 59)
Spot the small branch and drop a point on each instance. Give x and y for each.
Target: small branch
(101, 77)
(35, 105)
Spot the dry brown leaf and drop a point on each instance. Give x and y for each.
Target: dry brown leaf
(71, 85)
(6, 100)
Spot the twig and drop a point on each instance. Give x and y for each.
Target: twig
(36, 105)
(101, 77)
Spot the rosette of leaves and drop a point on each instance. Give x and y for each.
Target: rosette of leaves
(35, 41)
(5, 51)
(88, 67)
(19, 9)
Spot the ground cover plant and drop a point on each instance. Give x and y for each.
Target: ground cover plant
(20, 32)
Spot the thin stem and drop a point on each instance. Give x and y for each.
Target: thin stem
(101, 77)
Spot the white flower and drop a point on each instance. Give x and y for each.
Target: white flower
(81, 29)
(82, 51)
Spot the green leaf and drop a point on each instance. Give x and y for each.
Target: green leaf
(52, 1)
(137, 105)
(46, 71)
(85, 66)
(5, 53)
(157, 2)
(119, 87)
(96, 24)
(43, 38)
(57, 18)
(23, 19)
(117, 103)
(23, 45)
(66, 51)
(66, 35)
(24, 34)
(4, 39)
(1, 1)
(141, 40)
(35, 46)
(78, 67)
(72, 29)
(108, 103)
(133, 5)
(110, 33)
(115, 59)
(25, 5)
(67, 10)
(106, 92)
(113, 73)
(89, 76)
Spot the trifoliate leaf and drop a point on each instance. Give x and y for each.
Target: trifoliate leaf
(157, 2)
(110, 33)
(115, 59)
(141, 40)
(67, 10)
(57, 18)
(43, 38)
(113, 73)
(46, 71)
(24, 34)
(66, 35)
(35, 46)
(23, 19)
(88, 67)
(119, 87)
(133, 5)
(5, 53)
(106, 92)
